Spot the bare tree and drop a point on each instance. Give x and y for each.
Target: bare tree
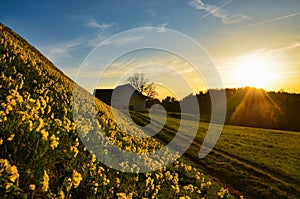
(142, 84)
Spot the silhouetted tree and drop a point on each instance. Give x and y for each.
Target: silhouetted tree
(150, 102)
(168, 99)
(171, 104)
(142, 84)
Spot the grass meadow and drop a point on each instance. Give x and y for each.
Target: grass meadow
(261, 163)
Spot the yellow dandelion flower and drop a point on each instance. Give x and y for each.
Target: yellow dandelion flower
(13, 171)
(76, 142)
(118, 182)
(69, 184)
(184, 197)
(54, 141)
(11, 137)
(61, 194)
(96, 187)
(4, 163)
(76, 151)
(168, 175)
(149, 181)
(41, 124)
(43, 102)
(32, 187)
(1, 141)
(124, 196)
(176, 187)
(209, 183)
(44, 134)
(46, 178)
(76, 178)
(8, 185)
(48, 109)
(2, 114)
(93, 158)
(8, 109)
(121, 195)
(13, 102)
(30, 125)
(105, 181)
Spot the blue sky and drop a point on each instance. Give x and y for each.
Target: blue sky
(229, 30)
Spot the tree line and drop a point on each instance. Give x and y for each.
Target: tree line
(246, 106)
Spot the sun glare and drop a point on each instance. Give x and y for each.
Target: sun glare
(255, 70)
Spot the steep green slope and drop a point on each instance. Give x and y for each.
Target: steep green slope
(41, 155)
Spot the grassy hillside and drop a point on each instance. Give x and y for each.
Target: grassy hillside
(41, 155)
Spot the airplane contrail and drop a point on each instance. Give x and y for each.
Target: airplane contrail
(271, 20)
(217, 8)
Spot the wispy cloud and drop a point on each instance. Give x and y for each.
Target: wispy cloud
(278, 53)
(289, 47)
(92, 23)
(102, 31)
(273, 53)
(121, 41)
(123, 63)
(61, 51)
(162, 27)
(272, 20)
(219, 12)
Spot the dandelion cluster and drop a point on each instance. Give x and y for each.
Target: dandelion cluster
(223, 193)
(9, 175)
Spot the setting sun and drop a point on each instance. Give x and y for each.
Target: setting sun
(255, 70)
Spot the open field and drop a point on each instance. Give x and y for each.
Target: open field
(260, 163)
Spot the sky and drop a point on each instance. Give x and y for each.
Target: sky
(249, 43)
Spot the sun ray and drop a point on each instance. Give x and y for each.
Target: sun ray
(257, 108)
